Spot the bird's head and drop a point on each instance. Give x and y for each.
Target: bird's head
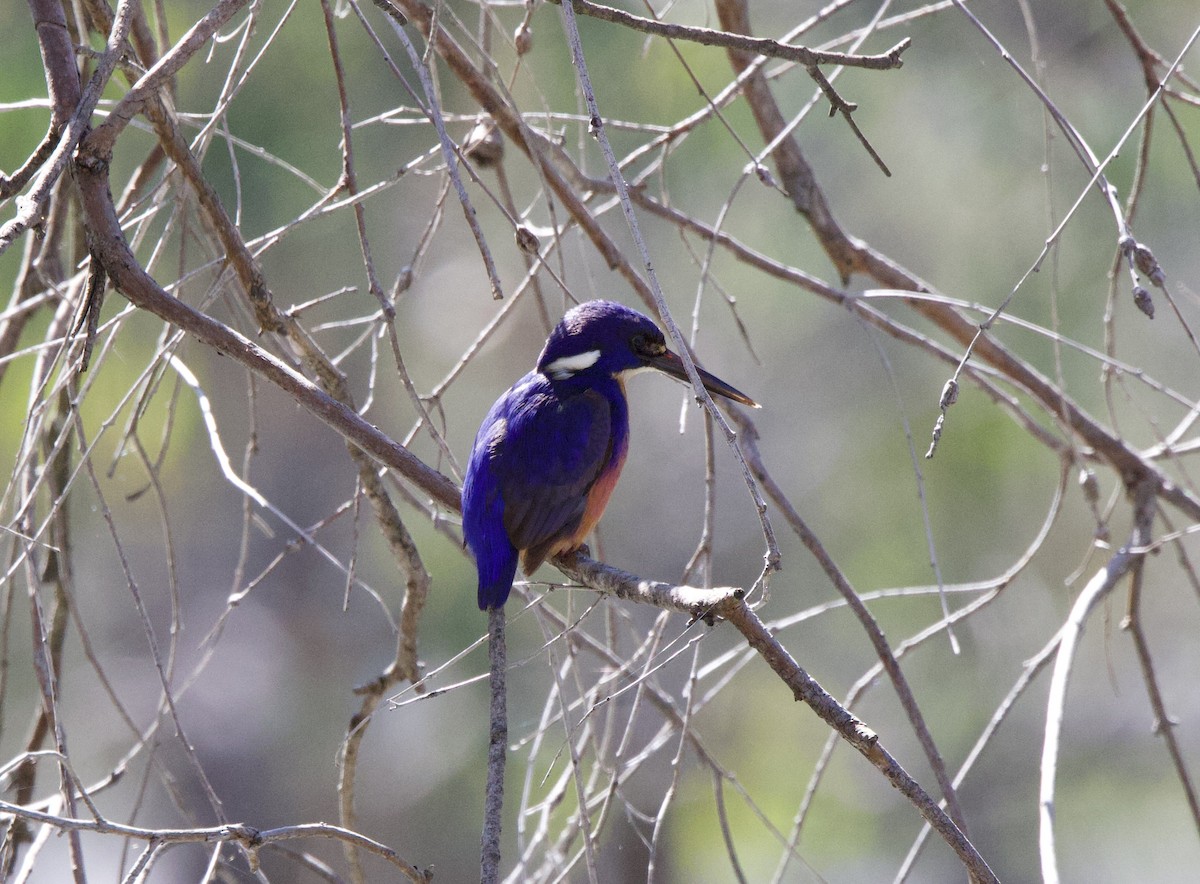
(606, 339)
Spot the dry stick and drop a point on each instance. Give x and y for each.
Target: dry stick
(47, 677)
(694, 601)
(158, 77)
(249, 838)
(493, 808)
(732, 607)
(349, 176)
(582, 817)
(47, 640)
(15, 183)
(1164, 724)
(54, 41)
(1098, 587)
(168, 693)
(805, 688)
(142, 291)
(449, 152)
(1033, 666)
(405, 666)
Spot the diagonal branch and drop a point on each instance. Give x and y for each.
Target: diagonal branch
(849, 728)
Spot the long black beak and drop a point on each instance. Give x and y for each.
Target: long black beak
(670, 363)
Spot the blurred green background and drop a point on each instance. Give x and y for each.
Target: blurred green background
(975, 190)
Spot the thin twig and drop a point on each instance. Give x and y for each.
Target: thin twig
(1164, 724)
(763, 46)
(248, 837)
(805, 688)
(493, 807)
(1098, 587)
(449, 152)
(878, 640)
(52, 32)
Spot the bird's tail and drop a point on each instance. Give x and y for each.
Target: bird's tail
(483, 530)
(496, 573)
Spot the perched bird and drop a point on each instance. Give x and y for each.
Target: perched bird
(548, 454)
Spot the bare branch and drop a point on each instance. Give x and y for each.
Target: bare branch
(1098, 587)
(247, 837)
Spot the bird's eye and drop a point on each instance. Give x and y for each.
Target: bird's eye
(645, 345)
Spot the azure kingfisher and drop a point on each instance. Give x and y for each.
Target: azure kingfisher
(548, 454)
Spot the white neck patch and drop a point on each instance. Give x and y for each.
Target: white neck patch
(562, 368)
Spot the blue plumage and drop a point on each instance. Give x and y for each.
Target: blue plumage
(549, 452)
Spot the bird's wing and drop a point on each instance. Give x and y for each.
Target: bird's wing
(555, 448)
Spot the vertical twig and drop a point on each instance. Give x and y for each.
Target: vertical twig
(1164, 724)
(1098, 587)
(449, 150)
(493, 805)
